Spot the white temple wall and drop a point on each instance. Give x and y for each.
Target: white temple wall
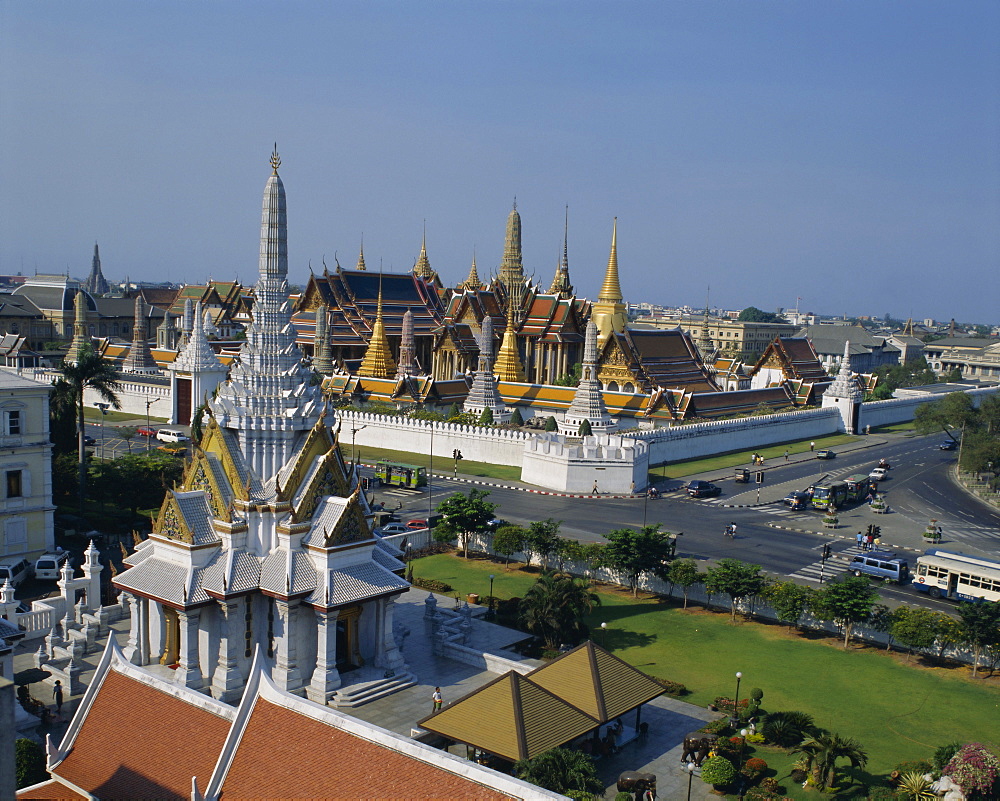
(617, 464)
(496, 446)
(902, 408)
(132, 395)
(208, 641)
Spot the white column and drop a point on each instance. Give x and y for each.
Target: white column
(326, 677)
(189, 669)
(286, 666)
(387, 653)
(227, 682)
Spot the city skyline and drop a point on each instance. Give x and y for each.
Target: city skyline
(840, 154)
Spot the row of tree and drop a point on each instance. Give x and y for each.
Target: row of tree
(977, 427)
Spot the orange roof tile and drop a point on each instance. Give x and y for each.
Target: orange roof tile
(160, 741)
(335, 764)
(50, 791)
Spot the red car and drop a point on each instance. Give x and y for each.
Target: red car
(145, 431)
(416, 525)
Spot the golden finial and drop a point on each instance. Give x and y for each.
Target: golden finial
(275, 159)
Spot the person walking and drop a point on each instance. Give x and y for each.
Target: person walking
(786, 455)
(57, 694)
(937, 536)
(861, 541)
(812, 446)
(594, 490)
(437, 699)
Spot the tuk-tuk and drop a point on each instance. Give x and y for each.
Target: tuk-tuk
(742, 475)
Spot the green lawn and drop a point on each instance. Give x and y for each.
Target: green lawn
(721, 461)
(442, 464)
(113, 418)
(897, 712)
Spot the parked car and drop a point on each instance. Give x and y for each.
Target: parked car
(825, 454)
(14, 569)
(948, 445)
(797, 500)
(703, 489)
(416, 524)
(878, 474)
(172, 435)
(48, 565)
(394, 528)
(89, 440)
(880, 564)
(145, 431)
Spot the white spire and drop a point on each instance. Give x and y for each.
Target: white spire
(197, 354)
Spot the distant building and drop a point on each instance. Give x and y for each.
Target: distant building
(26, 510)
(977, 358)
(868, 352)
(731, 338)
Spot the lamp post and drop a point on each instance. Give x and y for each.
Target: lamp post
(690, 770)
(736, 701)
(430, 478)
(148, 404)
(491, 595)
(604, 636)
(354, 438)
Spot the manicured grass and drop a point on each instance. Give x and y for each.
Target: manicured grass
(442, 464)
(896, 711)
(721, 461)
(897, 428)
(112, 417)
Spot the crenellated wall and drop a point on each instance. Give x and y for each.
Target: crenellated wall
(609, 462)
(902, 408)
(132, 395)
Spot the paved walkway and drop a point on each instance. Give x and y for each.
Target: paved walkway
(669, 719)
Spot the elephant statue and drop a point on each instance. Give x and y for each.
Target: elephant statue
(696, 747)
(632, 781)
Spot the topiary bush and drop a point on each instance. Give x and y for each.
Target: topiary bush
(717, 771)
(976, 770)
(720, 726)
(673, 688)
(433, 585)
(551, 424)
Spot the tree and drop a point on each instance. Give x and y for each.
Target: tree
(980, 627)
(633, 552)
(127, 433)
(62, 418)
(572, 378)
(847, 601)
(789, 601)
(137, 480)
(453, 411)
(736, 579)
(751, 314)
(976, 769)
(486, 418)
(29, 763)
(551, 424)
(586, 429)
(542, 539)
(516, 418)
(954, 410)
(822, 751)
(718, 771)
(508, 540)
(684, 573)
(560, 770)
(462, 516)
(914, 627)
(554, 608)
(90, 371)
(947, 632)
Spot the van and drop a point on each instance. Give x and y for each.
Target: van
(14, 569)
(170, 435)
(48, 565)
(880, 564)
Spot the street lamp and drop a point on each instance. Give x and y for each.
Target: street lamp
(690, 769)
(491, 595)
(739, 767)
(148, 404)
(354, 437)
(736, 701)
(604, 636)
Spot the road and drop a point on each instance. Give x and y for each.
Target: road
(919, 488)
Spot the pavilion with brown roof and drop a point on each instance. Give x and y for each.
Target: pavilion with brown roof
(567, 699)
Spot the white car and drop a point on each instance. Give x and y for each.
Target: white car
(393, 528)
(878, 474)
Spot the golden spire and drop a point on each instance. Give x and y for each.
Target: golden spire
(560, 283)
(422, 269)
(361, 256)
(472, 282)
(611, 291)
(508, 364)
(378, 361)
(275, 159)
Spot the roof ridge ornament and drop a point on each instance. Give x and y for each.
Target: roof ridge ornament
(275, 159)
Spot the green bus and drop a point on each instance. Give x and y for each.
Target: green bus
(398, 474)
(857, 487)
(829, 496)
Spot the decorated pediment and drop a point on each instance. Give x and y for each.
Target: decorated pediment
(351, 527)
(214, 441)
(170, 522)
(318, 442)
(201, 477)
(312, 296)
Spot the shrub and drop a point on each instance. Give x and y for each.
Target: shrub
(798, 775)
(881, 793)
(551, 424)
(786, 728)
(719, 726)
(756, 694)
(29, 761)
(920, 766)
(757, 764)
(771, 785)
(756, 738)
(726, 704)
(673, 688)
(432, 584)
(623, 796)
(718, 770)
(944, 753)
(914, 787)
(975, 769)
(549, 655)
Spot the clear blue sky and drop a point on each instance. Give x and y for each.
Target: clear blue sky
(847, 153)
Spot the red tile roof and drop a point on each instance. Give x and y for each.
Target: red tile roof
(159, 743)
(51, 791)
(305, 758)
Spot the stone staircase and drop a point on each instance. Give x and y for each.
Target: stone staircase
(363, 692)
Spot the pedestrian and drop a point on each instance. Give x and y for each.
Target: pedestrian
(812, 446)
(57, 693)
(437, 699)
(869, 542)
(861, 541)
(594, 490)
(632, 488)
(786, 455)
(937, 535)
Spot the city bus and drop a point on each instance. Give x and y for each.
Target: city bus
(857, 487)
(949, 574)
(829, 496)
(401, 475)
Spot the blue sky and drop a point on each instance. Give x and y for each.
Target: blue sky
(846, 153)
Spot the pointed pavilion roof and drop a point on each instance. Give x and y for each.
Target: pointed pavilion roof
(422, 269)
(140, 358)
(361, 257)
(508, 364)
(472, 282)
(378, 361)
(81, 333)
(96, 283)
(560, 283)
(611, 290)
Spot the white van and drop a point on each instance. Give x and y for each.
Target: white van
(170, 435)
(14, 569)
(48, 565)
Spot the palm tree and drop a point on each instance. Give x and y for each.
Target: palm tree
(560, 770)
(89, 371)
(822, 751)
(554, 608)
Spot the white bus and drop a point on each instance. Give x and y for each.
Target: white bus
(948, 574)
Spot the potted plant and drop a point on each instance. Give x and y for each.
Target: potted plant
(878, 505)
(830, 519)
(718, 772)
(930, 533)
